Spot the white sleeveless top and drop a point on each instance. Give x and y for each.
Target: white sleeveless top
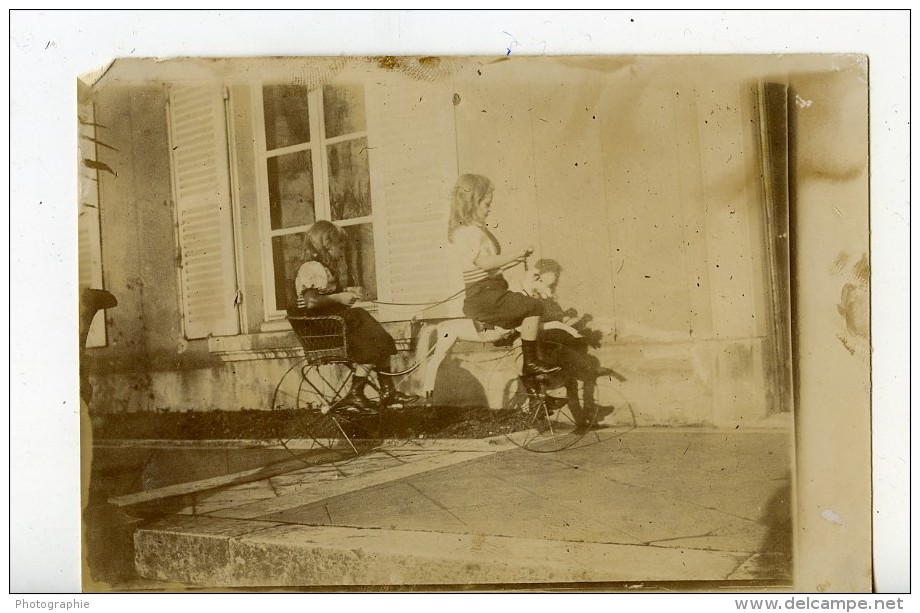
(468, 243)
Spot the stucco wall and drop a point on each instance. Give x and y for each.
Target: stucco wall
(139, 252)
(642, 181)
(138, 242)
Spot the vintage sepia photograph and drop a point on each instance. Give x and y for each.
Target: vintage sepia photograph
(473, 323)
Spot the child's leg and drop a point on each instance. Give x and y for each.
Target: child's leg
(571, 394)
(447, 333)
(355, 397)
(530, 328)
(389, 395)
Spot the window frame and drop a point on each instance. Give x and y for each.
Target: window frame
(317, 146)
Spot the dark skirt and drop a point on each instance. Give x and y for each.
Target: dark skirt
(368, 342)
(490, 302)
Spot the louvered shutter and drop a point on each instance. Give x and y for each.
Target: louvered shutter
(413, 166)
(89, 240)
(201, 183)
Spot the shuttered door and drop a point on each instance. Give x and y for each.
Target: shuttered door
(89, 241)
(201, 182)
(413, 166)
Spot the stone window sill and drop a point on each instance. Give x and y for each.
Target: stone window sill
(276, 340)
(261, 346)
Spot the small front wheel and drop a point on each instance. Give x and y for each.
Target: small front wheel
(543, 422)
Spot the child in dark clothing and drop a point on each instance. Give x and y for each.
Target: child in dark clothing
(561, 343)
(321, 290)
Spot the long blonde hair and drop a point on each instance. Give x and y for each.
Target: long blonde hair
(465, 197)
(327, 244)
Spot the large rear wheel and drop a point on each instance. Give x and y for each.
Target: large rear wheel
(318, 427)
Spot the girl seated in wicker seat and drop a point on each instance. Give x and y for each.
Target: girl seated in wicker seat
(321, 286)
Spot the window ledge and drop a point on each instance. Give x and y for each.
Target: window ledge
(275, 325)
(278, 323)
(261, 346)
(276, 340)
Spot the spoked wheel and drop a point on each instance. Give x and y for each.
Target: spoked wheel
(317, 427)
(542, 421)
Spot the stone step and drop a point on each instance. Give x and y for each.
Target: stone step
(220, 552)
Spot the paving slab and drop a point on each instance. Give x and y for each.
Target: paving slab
(369, 475)
(396, 506)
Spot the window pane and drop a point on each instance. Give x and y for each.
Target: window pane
(343, 110)
(349, 180)
(287, 117)
(363, 264)
(290, 190)
(287, 253)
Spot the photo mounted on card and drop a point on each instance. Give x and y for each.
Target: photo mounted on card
(576, 323)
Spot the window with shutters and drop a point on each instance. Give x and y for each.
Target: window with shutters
(377, 160)
(314, 164)
(204, 224)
